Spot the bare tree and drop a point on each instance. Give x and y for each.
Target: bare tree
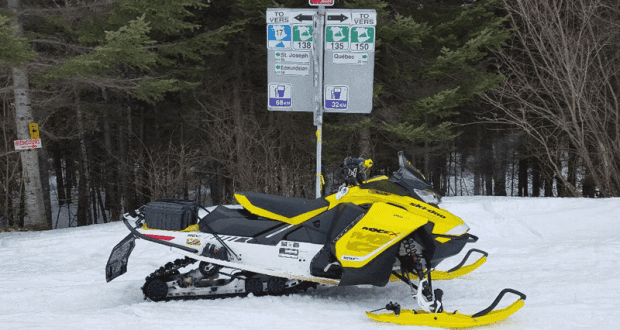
(563, 70)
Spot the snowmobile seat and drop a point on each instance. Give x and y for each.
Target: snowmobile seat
(235, 222)
(286, 209)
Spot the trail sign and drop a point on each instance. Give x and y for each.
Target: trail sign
(27, 144)
(278, 36)
(337, 37)
(302, 36)
(350, 58)
(320, 60)
(336, 97)
(280, 96)
(346, 58)
(34, 130)
(362, 39)
(338, 17)
(291, 59)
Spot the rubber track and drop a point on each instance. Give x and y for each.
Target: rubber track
(172, 269)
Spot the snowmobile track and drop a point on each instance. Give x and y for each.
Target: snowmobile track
(171, 269)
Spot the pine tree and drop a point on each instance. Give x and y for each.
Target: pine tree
(13, 49)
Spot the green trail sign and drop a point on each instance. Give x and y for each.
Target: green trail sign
(302, 37)
(337, 37)
(362, 38)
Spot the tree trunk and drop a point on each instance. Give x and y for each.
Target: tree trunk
(112, 202)
(34, 216)
(536, 182)
(84, 216)
(60, 182)
(477, 161)
(364, 141)
(499, 164)
(523, 184)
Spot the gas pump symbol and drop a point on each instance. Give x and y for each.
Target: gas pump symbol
(336, 93)
(280, 89)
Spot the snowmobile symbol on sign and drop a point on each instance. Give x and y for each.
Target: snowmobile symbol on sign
(369, 232)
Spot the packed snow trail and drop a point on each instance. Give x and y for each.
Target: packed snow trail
(564, 254)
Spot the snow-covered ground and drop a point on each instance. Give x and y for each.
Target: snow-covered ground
(564, 254)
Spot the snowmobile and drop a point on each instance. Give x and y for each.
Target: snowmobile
(368, 232)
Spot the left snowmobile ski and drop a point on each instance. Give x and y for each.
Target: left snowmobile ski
(368, 232)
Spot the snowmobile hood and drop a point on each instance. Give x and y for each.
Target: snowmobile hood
(445, 223)
(290, 210)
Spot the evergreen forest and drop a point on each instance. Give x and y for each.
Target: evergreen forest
(138, 100)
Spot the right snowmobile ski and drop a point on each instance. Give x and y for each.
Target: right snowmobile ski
(369, 232)
(444, 319)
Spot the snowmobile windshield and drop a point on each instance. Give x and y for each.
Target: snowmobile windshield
(411, 179)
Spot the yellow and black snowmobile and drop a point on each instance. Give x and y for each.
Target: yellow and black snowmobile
(369, 232)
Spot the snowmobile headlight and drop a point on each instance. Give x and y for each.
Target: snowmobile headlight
(458, 230)
(428, 196)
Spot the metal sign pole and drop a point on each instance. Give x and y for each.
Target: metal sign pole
(318, 113)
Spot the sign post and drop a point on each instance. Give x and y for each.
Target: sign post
(320, 60)
(318, 100)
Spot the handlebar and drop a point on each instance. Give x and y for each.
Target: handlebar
(353, 161)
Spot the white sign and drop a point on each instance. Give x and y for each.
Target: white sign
(27, 144)
(292, 69)
(280, 95)
(336, 97)
(290, 16)
(302, 16)
(338, 17)
(278, 16)
(292, 56)
(350, 58)
(364, 17)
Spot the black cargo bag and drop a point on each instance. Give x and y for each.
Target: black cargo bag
(170, 214)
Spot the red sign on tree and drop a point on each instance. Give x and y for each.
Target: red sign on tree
(321, 2)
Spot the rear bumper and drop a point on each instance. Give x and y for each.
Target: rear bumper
(117, 262)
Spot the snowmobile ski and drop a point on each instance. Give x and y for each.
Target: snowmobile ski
(444, 319)
(456, 271)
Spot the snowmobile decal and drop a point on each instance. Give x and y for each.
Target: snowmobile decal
(160, 237)
(288, 253)
(357, 247)
(193, 241)
(433, 212)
